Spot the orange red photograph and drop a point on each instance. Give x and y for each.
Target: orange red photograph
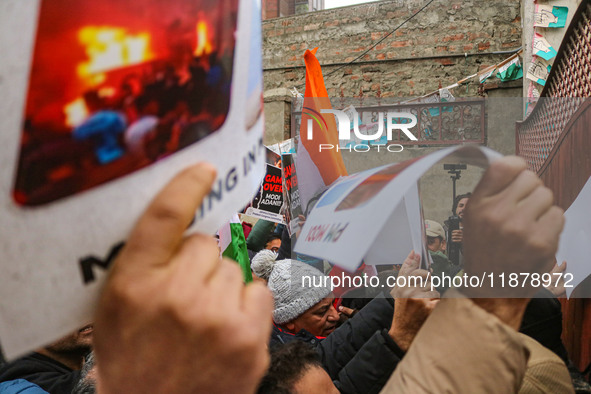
(117, 85)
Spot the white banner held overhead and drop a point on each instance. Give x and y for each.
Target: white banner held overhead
(351, 220)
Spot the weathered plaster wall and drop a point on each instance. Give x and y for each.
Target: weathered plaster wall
(447, 41)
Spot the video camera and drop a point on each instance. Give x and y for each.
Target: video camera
(453, 248)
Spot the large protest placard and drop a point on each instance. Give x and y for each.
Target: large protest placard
(405, 228)
(375, 215)
(103, 102)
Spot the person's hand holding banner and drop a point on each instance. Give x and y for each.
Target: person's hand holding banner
(173, 296)
(510, 227)
(412, 304)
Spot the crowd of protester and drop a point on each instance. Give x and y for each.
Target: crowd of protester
(174, 317)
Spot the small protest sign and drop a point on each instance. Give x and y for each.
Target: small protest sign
(574, 238)
(269, 200)
(291, 192)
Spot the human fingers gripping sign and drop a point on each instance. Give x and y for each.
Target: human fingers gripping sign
(457, 236)
(510, 226)
(240, 322)
(557, 286)
(413, 281)
(413, 302)
(498, 177)
(347, 312)
(159, 231)
(411, 263)
(174, 317)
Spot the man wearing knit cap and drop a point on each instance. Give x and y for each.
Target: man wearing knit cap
(359, 355)
(303, 299)
(262, 264)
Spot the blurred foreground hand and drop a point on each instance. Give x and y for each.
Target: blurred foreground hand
(413, 303)
(511, 227)
(173, 317)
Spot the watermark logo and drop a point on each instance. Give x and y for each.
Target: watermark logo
(317, 117)
(349, 120)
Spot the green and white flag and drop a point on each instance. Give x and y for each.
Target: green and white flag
(233, 246)
(486, 74)
(510, 71)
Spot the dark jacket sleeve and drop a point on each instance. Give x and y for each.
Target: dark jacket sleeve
(55, 383)
(285, 248)
(360, 356)
(50, 381)
(372, 366)
(50, 375)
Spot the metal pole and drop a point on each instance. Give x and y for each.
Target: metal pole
(453, 178)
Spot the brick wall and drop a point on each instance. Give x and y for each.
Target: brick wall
(269, 9)
(277, 8)
(449, 40)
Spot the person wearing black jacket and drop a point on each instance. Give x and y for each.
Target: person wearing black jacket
(361, 354)
(47, 373)
(55, 368)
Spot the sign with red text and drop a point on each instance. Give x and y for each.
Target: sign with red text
(269, 200)
(291, 193)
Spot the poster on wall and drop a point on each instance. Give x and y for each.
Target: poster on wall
(550, 16)
(533, 95)
(542, 48)
(539, 70)
(117, 96)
